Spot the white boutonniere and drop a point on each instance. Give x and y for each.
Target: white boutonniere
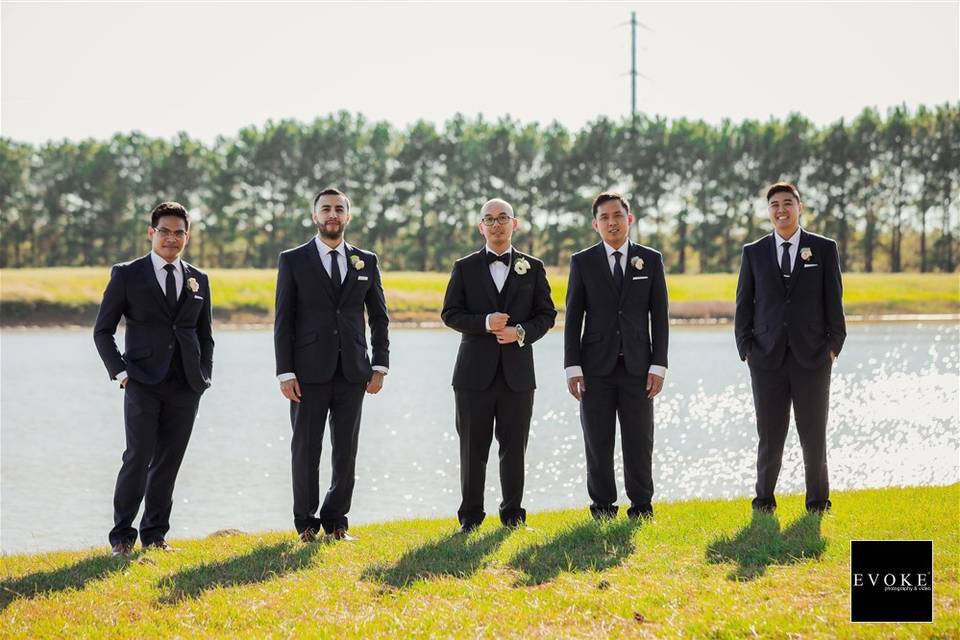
(356, 262)
(521, 266)
(637, 263)
(806, 254)
(193, 285)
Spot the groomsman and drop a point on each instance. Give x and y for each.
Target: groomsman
(499, 300)
(323, 287)
(165, 367)
(789, 329)
(617, 365)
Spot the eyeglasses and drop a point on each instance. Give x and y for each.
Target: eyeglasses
(165, 233)
(489, 221)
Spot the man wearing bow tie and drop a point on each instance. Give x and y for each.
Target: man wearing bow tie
(166, 366)
(617, 365)
(323, 288)
(789, 328)
(499, 300)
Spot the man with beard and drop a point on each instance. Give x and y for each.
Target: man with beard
(323, 287)
(499, 301)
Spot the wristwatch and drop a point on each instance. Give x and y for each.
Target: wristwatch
(521, 334)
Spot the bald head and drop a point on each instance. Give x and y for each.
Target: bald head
(495, 207)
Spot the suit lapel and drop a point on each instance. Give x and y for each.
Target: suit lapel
(797, 267)
(154, 284)
(483, 274)
(351, 273)
(313, 257)
(603, 263)
(633, 250)
(509, 285)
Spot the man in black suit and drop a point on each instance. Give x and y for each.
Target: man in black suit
(166, 366)
(790, 328)
(617, 366)
(323, 287)
(499, 300)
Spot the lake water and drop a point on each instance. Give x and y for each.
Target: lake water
(893, 421)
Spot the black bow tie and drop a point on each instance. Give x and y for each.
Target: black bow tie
(492, 257)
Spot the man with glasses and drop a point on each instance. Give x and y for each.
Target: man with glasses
(166, 366)
(616, 367)
(789, 328)
(320, 342)
(499, 300)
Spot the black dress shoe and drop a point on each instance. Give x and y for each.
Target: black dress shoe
(763, 506)
(819, 508)
(467, 527)
(122, 549)
(159, 545)
(640, 513)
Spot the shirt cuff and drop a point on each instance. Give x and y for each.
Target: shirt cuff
(382, 369)
(486, 321)
(574, 371)
(283, 377)
(658, 370)
(120, 377)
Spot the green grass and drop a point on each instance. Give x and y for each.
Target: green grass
(699, 569)
(71, 295)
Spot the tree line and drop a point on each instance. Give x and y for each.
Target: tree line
(885, 186)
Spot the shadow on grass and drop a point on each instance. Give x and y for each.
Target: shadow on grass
(74, 576)
(761, 544)
(262, 564)
(455, 555)
(589, 546)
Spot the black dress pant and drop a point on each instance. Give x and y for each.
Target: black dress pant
(808, 391)
(343, 401)
(496, 411)
(618, 395)
(159, 419)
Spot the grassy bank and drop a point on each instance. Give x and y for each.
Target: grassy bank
(71, 295)
(699, 569)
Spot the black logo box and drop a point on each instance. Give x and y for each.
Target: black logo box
(891, 581)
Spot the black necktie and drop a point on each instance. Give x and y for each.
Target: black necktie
(492, 257)
(171, 286)
(335, 272)
(785, 261)
(617, 270)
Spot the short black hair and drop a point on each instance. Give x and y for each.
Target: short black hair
(783, 187)
(607, 196)
(166, 209)
(331, 191)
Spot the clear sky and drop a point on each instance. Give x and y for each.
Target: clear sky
(92, 69)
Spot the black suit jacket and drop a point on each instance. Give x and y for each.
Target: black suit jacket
(311, 326)
(472, 295)
(152, 327)
(637, 314)
(808, 312)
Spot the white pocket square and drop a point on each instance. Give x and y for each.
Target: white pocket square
(640, 277)
(198, 297)
(362, 278)
(807, 266)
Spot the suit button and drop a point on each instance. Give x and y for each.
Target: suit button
(620, 312)
(618, 332)
(170, 346)
(335, 332)
(174, 327)
(786, 324)
(338, 311)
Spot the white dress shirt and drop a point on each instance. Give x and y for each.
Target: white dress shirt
(656, 369)
(327, 260)
(794, 241)
(161, 273)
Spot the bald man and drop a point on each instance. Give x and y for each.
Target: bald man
(499, 301)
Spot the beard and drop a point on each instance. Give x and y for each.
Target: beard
(325, 232)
